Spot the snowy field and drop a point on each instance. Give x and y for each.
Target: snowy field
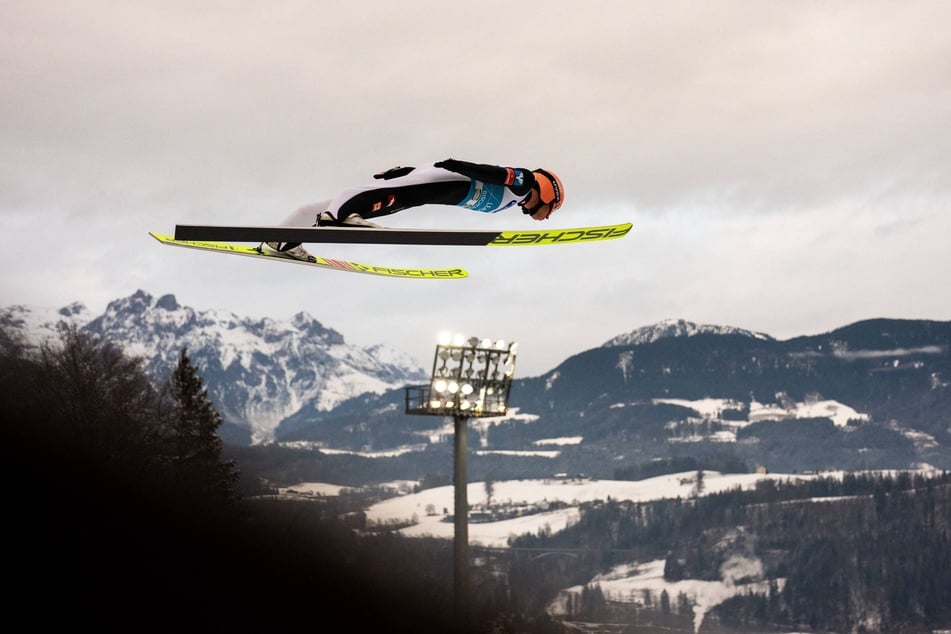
(635, 583)
(638, 583)
(711, 408)
(428, 507)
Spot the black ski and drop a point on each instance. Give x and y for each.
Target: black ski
(573, 235)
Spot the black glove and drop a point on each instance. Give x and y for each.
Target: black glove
(449, 164)
(394, 172)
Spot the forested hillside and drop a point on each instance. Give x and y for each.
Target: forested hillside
(860, 553)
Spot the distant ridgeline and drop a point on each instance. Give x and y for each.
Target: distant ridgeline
(873, 394)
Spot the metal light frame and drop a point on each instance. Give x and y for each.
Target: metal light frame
(470, 378)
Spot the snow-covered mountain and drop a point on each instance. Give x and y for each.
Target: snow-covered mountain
(676, 328)
(258, 371)
(37, 324)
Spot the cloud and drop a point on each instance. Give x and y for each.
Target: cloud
(784, 163)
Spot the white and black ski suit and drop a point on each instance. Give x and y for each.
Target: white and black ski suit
(475, 186)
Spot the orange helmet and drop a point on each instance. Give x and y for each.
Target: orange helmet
(550, 189)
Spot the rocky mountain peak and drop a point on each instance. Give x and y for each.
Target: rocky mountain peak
(76, 309)
(167, 302)
(676, 328)
(310, 327)
(259, 371)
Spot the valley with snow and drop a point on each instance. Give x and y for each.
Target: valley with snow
(427, 514)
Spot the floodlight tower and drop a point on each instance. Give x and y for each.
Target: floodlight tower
(471, 378)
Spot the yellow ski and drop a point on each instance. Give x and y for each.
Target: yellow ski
(319, 262)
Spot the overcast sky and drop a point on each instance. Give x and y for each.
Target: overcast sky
(785, 164)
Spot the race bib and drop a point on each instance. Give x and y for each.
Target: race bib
(484, 197)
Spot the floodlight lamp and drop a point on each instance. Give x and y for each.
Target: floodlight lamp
(445, 338)
(458, 340)
(440, 386)
(456, 354)
(500, 344)
(434, 404)
(466, 389)
(472, 342)
(443, 353)
(485, 343)
(513, 348)
(464, 405)
(453, 387)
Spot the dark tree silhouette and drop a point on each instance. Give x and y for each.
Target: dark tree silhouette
(193, 444)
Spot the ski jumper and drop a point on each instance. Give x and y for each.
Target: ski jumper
(475, 186)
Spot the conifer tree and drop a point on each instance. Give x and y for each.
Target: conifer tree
(194, 446)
